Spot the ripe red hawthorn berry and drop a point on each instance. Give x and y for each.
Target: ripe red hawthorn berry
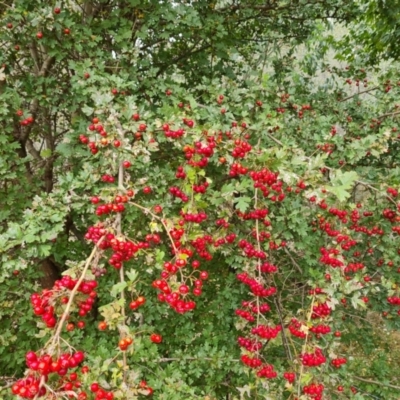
(94, 387)
(67, 31)
(80, 324)
(156, 338)
(57, 10)
(157, 209)
(86, 75)
(168, 92)
(147, 190)
(117, 143)
(9, 25)
(130, 193)
(126, 164)
(102, 326)
(39, 35)
(136, 117)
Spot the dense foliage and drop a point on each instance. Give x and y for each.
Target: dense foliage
(190, 209)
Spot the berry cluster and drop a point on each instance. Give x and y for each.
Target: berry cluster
(338, 362)
(321, 310)
(172, 134)
(200, 188)
(27, 121)
(295, 329)
(242, 147)
(43, 304)
(249, 344)
(257, 288)
(268, 268)
(250, 251)
(252, 362)
(289, 376)
(320, 329)
(313, 359)
(176, 192)
(314, 390)
(124, 343)
(101, 394)
(394, 300)
(267, 371)
(195, 218)
(134, 304)
(259, 214)
(43, 366)
(266, 332)
(180, 173)
(237, 169)
(328, 258)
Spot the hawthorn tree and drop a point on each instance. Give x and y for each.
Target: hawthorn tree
(180, 223)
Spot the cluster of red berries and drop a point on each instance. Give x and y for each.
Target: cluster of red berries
(267, 371)
(172, 134)
(252, 362)
(27, 121)
(313, 359)
(200, 244)
(266, 332)
(262, 308)
(257, 288)
(195, 218)
(314, 390)
(200, 188)
(176, 192)
(107, 178)
(247, 315)
(394, 300)
(258, 214)
(338, 362)
(108, 208)
(268, 268)
(180, 173)
(295, 329)
(393, 192)
(28, 388)
(389, 214)
(43, 304)
(320, 329)
(242, 147)
(144, 385)
(124, 343)
(237, 169)
(328, 258)
(249, 344)
(134, 304)
(43, 366)
(101, 394)
(250, 250)
(221, 222)
(321, 310)
(227, 239)
(188, 122)
(353, 268)
(124, 251)
(289, 376)
(174, 299)
(262, 236)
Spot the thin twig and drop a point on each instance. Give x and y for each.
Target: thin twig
(359, 378)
